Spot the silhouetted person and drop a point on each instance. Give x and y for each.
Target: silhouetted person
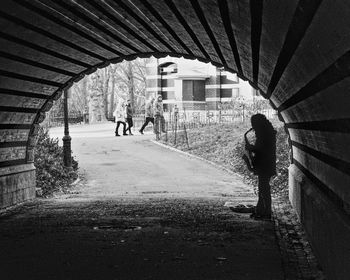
(264, 162)
(119, 117)
(128, 116)
(149, 114)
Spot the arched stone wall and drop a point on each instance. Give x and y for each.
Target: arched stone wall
(296, 52)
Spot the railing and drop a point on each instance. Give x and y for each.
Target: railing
(204, 118)
(58, 120)
(176, 121)
(179, 123)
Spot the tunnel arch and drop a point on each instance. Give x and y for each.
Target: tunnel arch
(297, 53)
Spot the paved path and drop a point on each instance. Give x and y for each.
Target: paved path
(143, 212)
(133, 165)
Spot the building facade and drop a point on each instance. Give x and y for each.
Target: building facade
(194, 86)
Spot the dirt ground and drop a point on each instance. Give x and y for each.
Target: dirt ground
(141, 212)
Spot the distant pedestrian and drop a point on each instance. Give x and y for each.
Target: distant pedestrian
(128, 116)
(159, 122)
(119, 117)
(149, 114)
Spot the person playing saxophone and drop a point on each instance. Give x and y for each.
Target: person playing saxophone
(263, 162)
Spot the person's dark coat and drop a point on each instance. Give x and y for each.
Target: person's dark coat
(265, 153)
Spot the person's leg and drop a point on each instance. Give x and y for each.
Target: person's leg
(263, 208)
(148, 120)
(130, 125)
(152, 121)
(266, 194)
(144, 125)
(117, 128)
(124, 128)
(163, 124)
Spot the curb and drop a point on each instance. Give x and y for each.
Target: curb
(298, 260)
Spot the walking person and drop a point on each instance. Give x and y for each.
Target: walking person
(149, 114)
(128, 116)
(263, 162)
(119, 117)
(159, 122)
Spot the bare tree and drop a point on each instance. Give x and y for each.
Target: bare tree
(101, 90)
(131, 77)
(78, 100)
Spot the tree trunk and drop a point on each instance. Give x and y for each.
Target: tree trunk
(85, 91)
(131, 85)
(97, 108)
(111, 98)
(105, 84)
(84, 88)
(105, 105)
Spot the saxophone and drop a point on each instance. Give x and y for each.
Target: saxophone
(248, 155)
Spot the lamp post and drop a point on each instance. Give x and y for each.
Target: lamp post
(221, 69)
(67, 151)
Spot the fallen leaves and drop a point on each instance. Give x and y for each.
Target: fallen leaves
(224, 145)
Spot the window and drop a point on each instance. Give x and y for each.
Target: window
(187, 90)
(193, 90)
(198, 90)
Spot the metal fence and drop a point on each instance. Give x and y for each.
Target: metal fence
(176, 121)
(54, 120)
(205, 118)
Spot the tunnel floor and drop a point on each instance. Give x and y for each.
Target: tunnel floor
(141, 211)
(144, 238)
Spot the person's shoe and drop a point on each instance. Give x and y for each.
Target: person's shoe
(141, 131)
(125, 133)
(117, 134)
(242, 208)
(262, 217)
(131, 133)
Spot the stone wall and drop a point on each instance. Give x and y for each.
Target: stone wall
(326, 224)
(17, 184)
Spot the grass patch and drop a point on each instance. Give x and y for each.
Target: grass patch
(224, 145)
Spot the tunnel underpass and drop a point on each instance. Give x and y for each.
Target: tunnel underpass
(141, 211)
(295, 52)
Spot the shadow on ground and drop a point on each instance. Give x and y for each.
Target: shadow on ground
(143, 238)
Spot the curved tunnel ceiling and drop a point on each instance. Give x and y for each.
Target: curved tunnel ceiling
(296, 52)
